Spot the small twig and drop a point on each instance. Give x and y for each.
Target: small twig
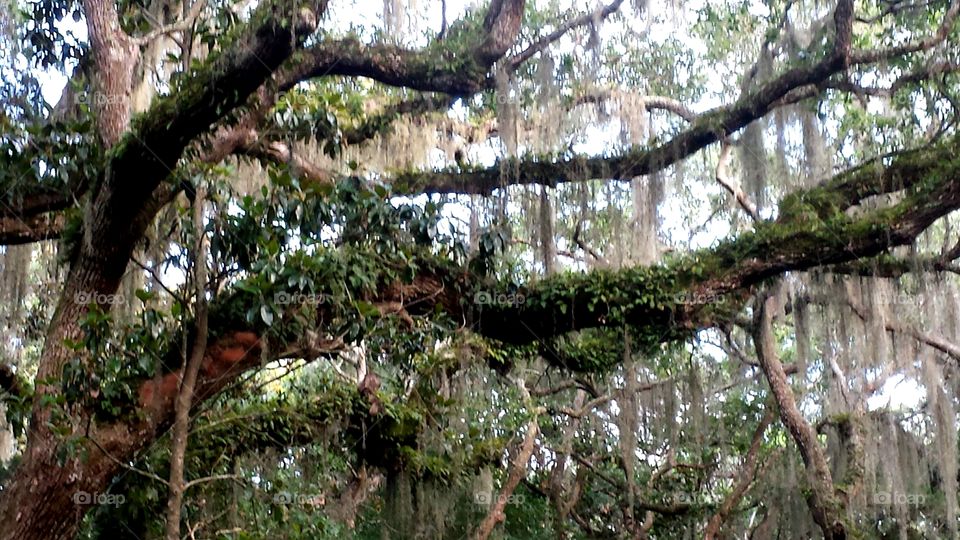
(130, 468)
(748, 473)
(647, 102)
(583, 245)
(515, 61)
(158, 281)
(205, 479)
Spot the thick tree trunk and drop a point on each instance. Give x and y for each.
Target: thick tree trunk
(115, 56)
(55, 470)
(51, 498)
(39, 502)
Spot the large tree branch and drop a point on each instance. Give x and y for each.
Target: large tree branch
(639, 296)
(115, 55)
(654, 300)
(124, 202)
(456, 70)
(15, 231)
(403, 67)
(389, 64)
(156, 141)
(708, 128)
(460, 69)
(668, 301)
(502, 24)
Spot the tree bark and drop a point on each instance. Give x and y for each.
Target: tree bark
(517, 471)
(181, 424)
(38, 504)
(822, 500)
(748, 472)
(115, 56)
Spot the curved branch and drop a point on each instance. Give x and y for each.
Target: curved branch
(706, 129)
(731, 185)
(877, 55)
(458, 69)
(649, 102)
(517, 471)
(515, 61)
(823, 501)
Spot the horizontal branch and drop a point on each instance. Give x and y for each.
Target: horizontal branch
(647, 101)
(706, 129)
(665, 300)
(668, 302)
(925, 43)
(14, 231)
(422, 70)
(454, 67)
(893, 325)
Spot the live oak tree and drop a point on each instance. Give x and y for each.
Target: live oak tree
(396, 263)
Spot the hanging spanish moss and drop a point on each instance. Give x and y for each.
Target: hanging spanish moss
(753, 159)
(14, 281)
(818, 159)
(394, 18)
(507, 116)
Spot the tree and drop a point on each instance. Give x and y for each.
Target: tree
(323, 216)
